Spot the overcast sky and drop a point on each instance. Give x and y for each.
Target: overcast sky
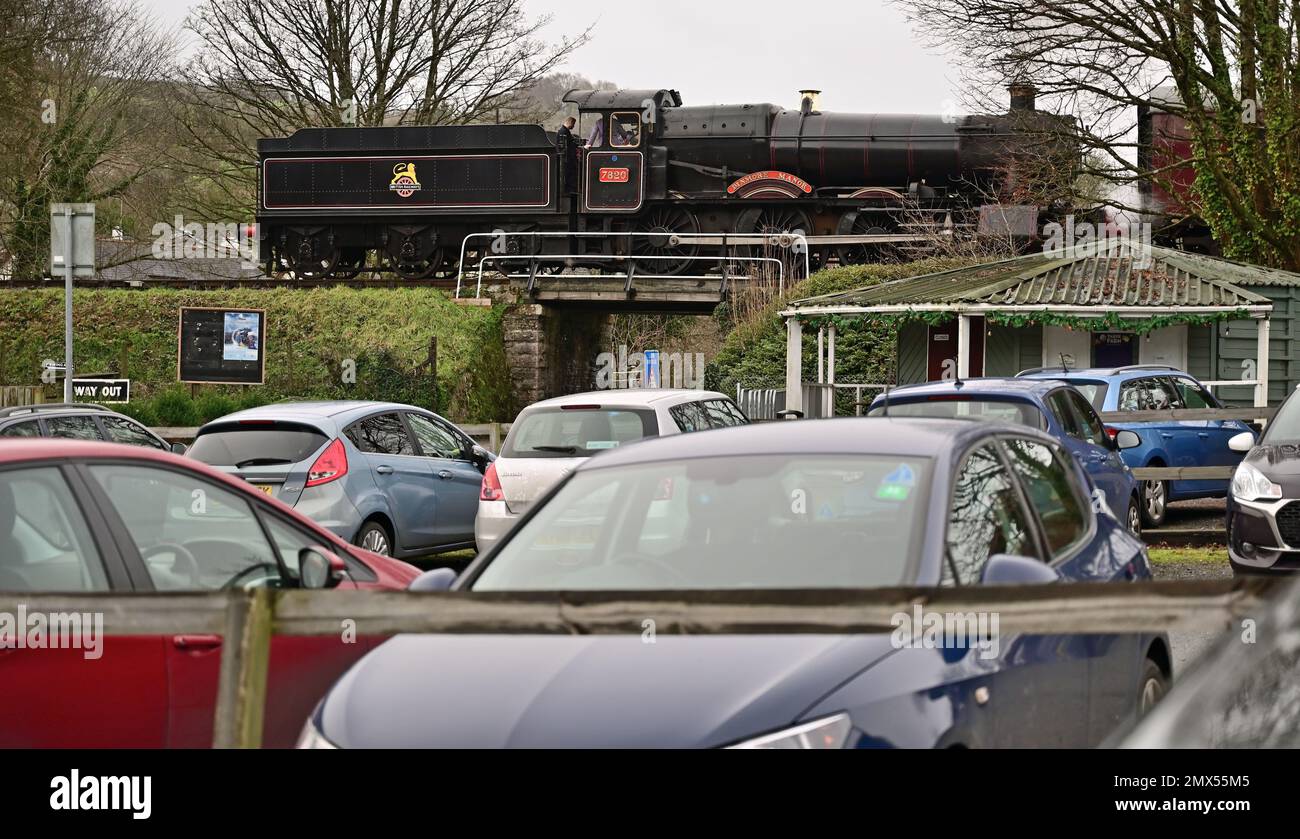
(860, 53)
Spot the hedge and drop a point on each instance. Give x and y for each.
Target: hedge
(311, 334)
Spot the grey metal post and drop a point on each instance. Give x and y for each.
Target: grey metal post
(68, 268)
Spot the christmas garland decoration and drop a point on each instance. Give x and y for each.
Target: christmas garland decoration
(1110, 321)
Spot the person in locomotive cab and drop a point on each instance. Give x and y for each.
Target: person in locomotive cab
(568, 148)
(596, 138)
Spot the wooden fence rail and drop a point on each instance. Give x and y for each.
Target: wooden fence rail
(491, 433)
(248, 618)
(1183, 473)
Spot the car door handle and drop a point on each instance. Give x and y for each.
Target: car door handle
(196, 642)
(1168, 435)
(384, 470)
(444, 474)
(1204, 435)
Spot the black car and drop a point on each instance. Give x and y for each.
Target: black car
(79, 421)
(1264, 497)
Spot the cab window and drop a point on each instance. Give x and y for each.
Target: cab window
(625, 130)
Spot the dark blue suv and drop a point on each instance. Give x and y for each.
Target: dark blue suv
(1144, 387)
(1053, 406)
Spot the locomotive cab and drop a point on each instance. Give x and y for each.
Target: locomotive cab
(622, 163)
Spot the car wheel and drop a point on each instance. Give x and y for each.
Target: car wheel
(1134, 518)
(375, 538)
(1155, 502)
(1152, 688)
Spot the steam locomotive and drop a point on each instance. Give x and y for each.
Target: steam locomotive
(335, 201)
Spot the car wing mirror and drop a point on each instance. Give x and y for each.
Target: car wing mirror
(1243, 442)
(179, 448)
(438, 579)
(1011, 569)
(1126, 439)
(319, 568)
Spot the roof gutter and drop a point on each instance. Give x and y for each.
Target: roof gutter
(1255, 311)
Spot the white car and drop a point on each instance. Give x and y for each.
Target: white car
(549, 438)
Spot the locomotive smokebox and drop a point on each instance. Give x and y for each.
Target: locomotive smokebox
(1023, 96)
(809, 100)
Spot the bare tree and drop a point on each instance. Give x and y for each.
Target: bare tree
(79, 115)
(1229, 67)
(267, 67)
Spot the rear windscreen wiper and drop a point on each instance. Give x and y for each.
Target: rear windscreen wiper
(560, 449)
(261, 461)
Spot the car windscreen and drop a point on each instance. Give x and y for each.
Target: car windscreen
(974, 406)
(755, 521)
(577, 431)
(253, 444)
(1285, 425)
(1093, 391)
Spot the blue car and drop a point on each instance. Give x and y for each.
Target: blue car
(821, 504)
(1052, 406)
(394, 479)
(1144, 387)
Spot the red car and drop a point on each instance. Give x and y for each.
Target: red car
(80, 516)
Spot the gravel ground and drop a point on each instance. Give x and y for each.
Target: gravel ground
(1201, 514)
(1188, 646)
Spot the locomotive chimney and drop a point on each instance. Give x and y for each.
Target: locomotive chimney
(1022, 96)
(809, 100)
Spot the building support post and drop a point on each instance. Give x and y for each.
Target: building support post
(963, 347)
(794, 365)
(830, 361)
(1261, 363)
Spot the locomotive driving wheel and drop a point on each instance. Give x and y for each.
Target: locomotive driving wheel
(669, 247)
(777, 221)
(865, 224)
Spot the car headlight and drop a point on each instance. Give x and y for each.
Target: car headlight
(825, 733)
(1250, 484)
(311, 738)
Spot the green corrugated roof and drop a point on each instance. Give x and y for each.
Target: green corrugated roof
(1083, 278)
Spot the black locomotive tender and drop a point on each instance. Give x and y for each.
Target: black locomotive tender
(330, 197)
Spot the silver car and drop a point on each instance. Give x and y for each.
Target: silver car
(394, 479)
(549, 438)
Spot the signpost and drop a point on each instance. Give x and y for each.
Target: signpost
(102, 390)
(72, 254)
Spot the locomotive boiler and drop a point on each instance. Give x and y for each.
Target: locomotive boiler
(335, 201)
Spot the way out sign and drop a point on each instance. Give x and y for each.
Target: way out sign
(101, 390)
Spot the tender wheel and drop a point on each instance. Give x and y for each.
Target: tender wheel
(1152, 688)
(308, 257)
(375, 538)
(1155, 502)
(416, 269)
(351, 262)
(1134, 517)
(663, 252)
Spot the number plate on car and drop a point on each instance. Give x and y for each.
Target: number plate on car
(269, 489)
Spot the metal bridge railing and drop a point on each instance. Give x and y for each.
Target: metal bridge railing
(798, 242)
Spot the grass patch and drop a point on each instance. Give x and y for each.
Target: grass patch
(1166, 555)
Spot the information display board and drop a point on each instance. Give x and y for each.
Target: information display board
(221, 346)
